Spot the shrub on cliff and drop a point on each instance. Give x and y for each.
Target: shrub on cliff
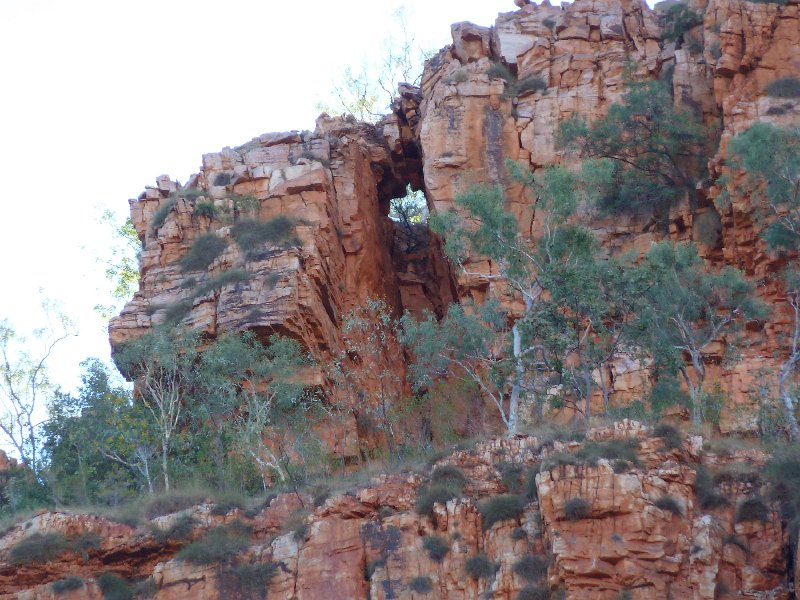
(218, 545)
(420, 585)
(534, 592)
(250, 580)
(250, 235)
(114, 587)
(784, 87)
(669, 504)
(576, 509)
(752, 509)
(501, 508)
(447, 482)
(206, 248)
(437, 547)
(480, 567)
(670, 436)
(67, 585)
(38, 548)
(531, 567)
(162, 212)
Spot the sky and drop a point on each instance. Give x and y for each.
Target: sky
(97, 98)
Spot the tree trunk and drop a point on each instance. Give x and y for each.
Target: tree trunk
(786, 397)
(164, 462)
(516, 389)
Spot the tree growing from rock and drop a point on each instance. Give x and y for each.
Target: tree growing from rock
(770, 157)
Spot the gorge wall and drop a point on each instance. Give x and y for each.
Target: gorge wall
(336, 182)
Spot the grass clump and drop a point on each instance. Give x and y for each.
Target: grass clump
(436, 546)
(250, 579)
(576, 508)
(146, 588)
(534, 592)
(518, 533)
(670, 436)
(445, 485)
(531, 568)
(205, 249)
(501, 508)
(420, 585)
(218, 545)
(784, 87)
(223, 179)
(114, 587)
(161, 214)
(205, 209)
(708, 497)
(670, 504)
(66, 585)
(752, 509)
(38, 548)
(180, 530)
(531, 83)
(227, 277)
(499, 71)
(166, 504)
(250, 234)
(450, 476)
(480, 567)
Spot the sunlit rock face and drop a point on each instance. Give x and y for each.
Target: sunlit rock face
(644, 530)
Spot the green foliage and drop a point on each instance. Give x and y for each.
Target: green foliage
(652, 150)
(220, 544)
(221, 280)
(169, 503)
(751, 509)
(670, 504)
(576, 508)
(145, 589)
(480, 567)
(205, 209)
(428, 496)
(666, 393)
(531, 83)
(501, 508)
(498, 70)
(420, 585)
(67, 584)
(251, 235)
(222, 179)
(251, 579)
(735, 540)
(708, 497)
(207, 247)
(121, 262)
(180, 530)
(534, 592)
(614, 449)
(38, 548)
(437, 547)
(161, 214)
(686, 308)
(531, 567)
(449, 476)
(114, 587)
(771, 158)
(784, 87)
(670, 436)
(679, 19)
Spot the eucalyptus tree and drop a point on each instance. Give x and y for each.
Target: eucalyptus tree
(770, 159)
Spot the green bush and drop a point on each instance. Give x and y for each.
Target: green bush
(114, 587)
(162, 212)
(501, 508)
(67, 585)
(670, 436)
(205, 209)
(250, 235)
(534, 592)
(784, 87)
(218, 545)
(591, 452)
(518, 533)
(420, 585)
(480, 567)
(146, 588)
(427, 497)
(223, 508)
(500, 71)
(531, 491)
(225, 278)
(670, 504)
(206, 248)
(666, 393)
(84, 543)
(437, 547)
(678, 19)
(752, 509)
(532, 83)
(250, 579)
(548, 22)
(180, 530)
(531, 568)
(167, 504)
(38, 548)
(708, 497)
(576, 509)
(449, 476)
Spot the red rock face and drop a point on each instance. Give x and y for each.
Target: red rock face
(369, 543)
(456, 130)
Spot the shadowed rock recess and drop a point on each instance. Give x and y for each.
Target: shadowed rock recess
(297, 234)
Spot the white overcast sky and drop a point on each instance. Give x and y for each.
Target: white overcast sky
(99, 97)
